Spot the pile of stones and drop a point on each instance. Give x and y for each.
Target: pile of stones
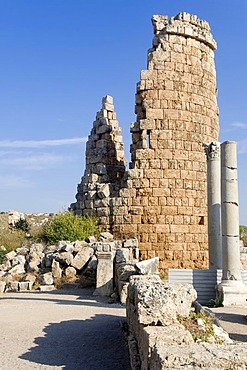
(46, 267)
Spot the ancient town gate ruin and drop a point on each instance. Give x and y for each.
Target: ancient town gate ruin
(162, 198)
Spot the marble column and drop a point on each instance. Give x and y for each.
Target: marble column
(231, 291)
(214, 200)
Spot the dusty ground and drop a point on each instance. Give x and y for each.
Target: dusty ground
(61, 330)
(234, 321)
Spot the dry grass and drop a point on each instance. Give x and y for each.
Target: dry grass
(12, 238)
(199, 333)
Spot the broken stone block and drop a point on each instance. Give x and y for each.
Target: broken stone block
(104, 283)
(82, 257)
(35, 256)
(56, 270)
(65, 247)
(70, 274)
(17, 270)
(65, 258)
(46, 279)
(104, 191)
(124, 271)
(79, 245)
(12, 286)
(105, 237)
(148, 267)
(107, 99)
(25, 285)
(33, 266)
(9, 256)
(150, 302)
(5, 266)
(14, 217)
(153, 302)
(18, 260)
(130, 243)
(183, 295)
(23, 251)
(38, 248)
(122, 255)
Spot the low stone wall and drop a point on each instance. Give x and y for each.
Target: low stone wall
(158, 339)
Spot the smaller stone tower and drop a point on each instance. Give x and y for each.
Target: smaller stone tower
(105, 165)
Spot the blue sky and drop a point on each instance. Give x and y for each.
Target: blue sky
(58, 58)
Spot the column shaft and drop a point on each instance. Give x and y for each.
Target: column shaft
(230, 213)
(214, 201)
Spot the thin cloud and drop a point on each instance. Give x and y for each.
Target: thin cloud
(41, 143)
(32, 162)
(240, 125)
(14, 182)
(242, 147)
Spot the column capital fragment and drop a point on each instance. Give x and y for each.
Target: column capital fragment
(212, 150)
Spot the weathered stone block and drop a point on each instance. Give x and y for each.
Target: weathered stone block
(148, 267)
(82, 257)
(104, 282)
(46, 279)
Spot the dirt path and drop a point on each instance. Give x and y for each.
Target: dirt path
(61, 330)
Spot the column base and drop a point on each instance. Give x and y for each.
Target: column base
(232, 293)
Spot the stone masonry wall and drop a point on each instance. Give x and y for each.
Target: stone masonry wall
(162, 198)
(105, 165)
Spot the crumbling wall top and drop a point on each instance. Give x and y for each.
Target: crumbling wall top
(184, 24)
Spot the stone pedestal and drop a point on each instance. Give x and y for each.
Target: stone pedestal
(232, 290)
(214, 201)
(104, 280)
(232, 293)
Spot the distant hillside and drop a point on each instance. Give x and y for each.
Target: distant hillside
(11, 238)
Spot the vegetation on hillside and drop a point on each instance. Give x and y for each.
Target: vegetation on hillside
(44, 228)
(67, 226)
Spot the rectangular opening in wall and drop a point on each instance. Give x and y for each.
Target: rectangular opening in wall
(201, 220)
(148, 139)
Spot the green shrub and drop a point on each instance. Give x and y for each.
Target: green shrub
(67, 226)
(23, 225)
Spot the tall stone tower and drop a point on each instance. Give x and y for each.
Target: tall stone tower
(162, 198)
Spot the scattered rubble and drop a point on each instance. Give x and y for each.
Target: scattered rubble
(45, 267)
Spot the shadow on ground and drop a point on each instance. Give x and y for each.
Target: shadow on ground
(235, 319)
(84, 297)
(93, 344)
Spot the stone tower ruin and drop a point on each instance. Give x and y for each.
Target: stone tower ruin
(162, 198)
